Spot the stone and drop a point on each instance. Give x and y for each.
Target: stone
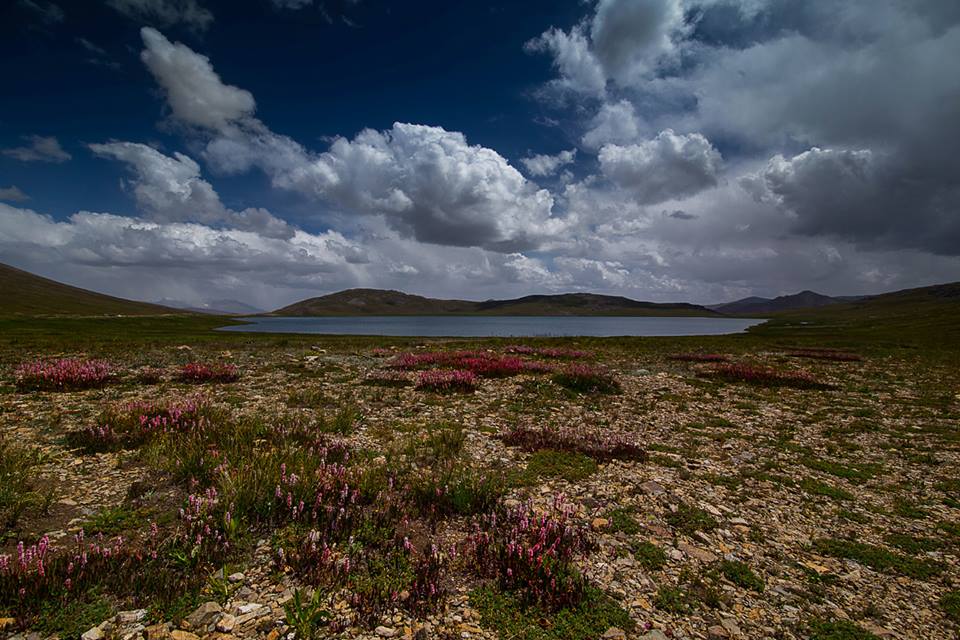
(696, 552)
(92, 634)
(653, 488)
(180, 634)
(157, 632)
(613, 633)
(226, 623)
(236, 577)
(654, 634)
(204, 615)
(599, 523)
(717, 632)
(385, 632)
(731, 626)
(131, 617)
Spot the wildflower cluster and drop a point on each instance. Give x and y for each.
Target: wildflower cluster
(825, 354)
(480, 363)
(133, 424)
(587, 379)
(598, 444)
(66, 374)
(199, 372)
(531, 553)
(548, 352)
(387, 378)
(699, 357)
(765, 376)
(447, 380)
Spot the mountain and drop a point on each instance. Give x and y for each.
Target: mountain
(764, 306)
(353, 302)
(214, 307)
(23, 293)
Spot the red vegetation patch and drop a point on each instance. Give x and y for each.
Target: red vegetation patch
(447, 381)
(825, 354)
(531, 554)
(66, 374)
(132, 424)
(765, 376)
(480, 363)
(199, 372)
(598, 444)
(586, 379)
(699, 357)
(548, 352)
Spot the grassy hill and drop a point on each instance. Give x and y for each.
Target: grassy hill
(354, 302)
(26, 294)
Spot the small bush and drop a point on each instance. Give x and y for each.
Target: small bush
(17, 488)
(740, 574)
(765, 376)
(198, 373)
(950, 603)
(839, 630)
(531, 554)
(586, 379)
(825, 354)
(689, 519)
(599, 444)
(877, 558)
(387, 378)
(622, 521)
(699, 357)
(818, 488)
(570, 466)
(63, 375)
(447, 381)
(649, 555)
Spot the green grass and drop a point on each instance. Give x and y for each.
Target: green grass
(69, 621)
(839, 630)
(878, 558)
(623, 521)
(547, 463)
(649, 555)
(859, 472)
(688, 519)
(817, 488)
(950, 603)
(912, 544)
(505, 613)
(115, 520)
(18, 491)
(740, 574)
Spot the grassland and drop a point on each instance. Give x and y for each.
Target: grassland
(757, 511)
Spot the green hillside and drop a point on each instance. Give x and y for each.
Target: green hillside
(26, 294)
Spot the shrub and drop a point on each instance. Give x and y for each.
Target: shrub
(599, 444)
(531, 554)
(699, 357)
(765, 376)
(740, 574)
(66, 374)
(877, 558)
(198, 372)
(570, 466)
(839, 630)
(17, 490)
(950, 603)
(586, 379)
(649, 555)
(460, 490)
(447, 381)
(133, 424)
(825, 354)
(387, 378)
(689, 519)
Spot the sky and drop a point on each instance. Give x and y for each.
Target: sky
(668, 150)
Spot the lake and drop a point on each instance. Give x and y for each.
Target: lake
(497, 326)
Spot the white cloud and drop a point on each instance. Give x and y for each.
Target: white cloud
(40, 149)
(13, 194)
(629, 37)
(615, 122)
(194, 91)
(170, 189)
(669, 166)
(579, 69)
(546, 165)
(165, 13)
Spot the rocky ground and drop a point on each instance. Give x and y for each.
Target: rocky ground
(759, 512)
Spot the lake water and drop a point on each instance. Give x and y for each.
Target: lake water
(497, 326)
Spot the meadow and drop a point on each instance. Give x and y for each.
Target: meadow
(162, 480)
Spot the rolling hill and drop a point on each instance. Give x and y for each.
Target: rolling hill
(390, 303)
(765, 306)
(26, 294)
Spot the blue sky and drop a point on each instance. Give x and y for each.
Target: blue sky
(661, 149)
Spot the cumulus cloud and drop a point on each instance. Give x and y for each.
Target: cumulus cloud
(165, 13)
(579, 69)
(546, 165)
(13, 194)
(194, 91)
(668, 167)
(615, 122)
(429, 183)
(39, 149)
(170, 189)
(629, 37)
